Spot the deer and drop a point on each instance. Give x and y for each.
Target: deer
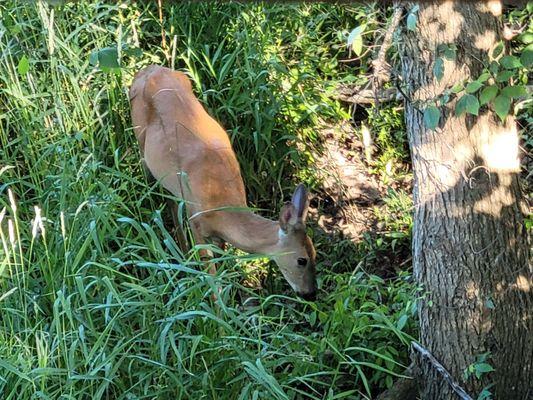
(191, 155)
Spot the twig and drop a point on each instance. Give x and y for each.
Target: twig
(445, 374)
(381, 69)
(174, 44)
(163, 36)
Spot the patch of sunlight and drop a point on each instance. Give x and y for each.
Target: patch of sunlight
(500, 150)
(498, 198)
(523, 283)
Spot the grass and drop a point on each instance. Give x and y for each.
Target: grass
(96, 299)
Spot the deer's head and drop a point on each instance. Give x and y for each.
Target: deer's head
(296, 257)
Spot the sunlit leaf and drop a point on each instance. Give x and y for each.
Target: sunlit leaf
(355, 39)
(514, 91)
(457, 87)
(23, 66)
(526, 37)
(473, 87)
(483, 77)
(411, 21)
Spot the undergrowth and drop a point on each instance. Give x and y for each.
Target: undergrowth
(96, 299)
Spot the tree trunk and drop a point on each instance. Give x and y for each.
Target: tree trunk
(470, 245)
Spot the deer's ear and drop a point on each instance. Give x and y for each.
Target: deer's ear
(300, 201)
(287, 216)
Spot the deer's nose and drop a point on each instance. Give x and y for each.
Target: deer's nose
(311, 296)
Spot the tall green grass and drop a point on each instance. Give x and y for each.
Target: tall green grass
(96, 299)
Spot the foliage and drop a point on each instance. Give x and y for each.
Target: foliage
(477, 369)
(502, 81)
(96, 299)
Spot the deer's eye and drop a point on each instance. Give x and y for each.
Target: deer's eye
(302, 262)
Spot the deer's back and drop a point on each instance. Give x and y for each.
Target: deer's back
(177, 136)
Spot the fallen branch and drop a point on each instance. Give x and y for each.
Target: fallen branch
(459, 391)
(381, 72)
(381, 68)
(366, 96)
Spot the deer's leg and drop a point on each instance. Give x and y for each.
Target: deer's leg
(179, 234)
(220, 243)
(205, 254)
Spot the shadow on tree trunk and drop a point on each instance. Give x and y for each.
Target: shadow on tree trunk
(470, 245)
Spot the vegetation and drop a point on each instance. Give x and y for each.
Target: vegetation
(96, 299)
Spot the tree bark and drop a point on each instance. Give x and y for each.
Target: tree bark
(470, 246)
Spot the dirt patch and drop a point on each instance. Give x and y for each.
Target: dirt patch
(354, 204)
(349, 191)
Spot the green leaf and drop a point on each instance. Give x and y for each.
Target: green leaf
(411, 21)
(93, 58)
(357, 45)
(502, 104)
(468, 103)
(438, 68)
(441, 48)
(401, 322)
(457, 87)
(514, 91)
(483, 368)
(134, 52)
(497, 50)
(526, 37)
(444, 99)
(473, 87)
(504, 76)
(431, 117)
(527, 56)
(388, 381)
(449, 54)
(355, 39)
(484, 395)
(483, 77)
(510, 62)
(494, 67)
(23, 66)
(487, 94)
(312, 318)
(106, 58)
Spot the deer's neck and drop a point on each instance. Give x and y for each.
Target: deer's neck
(248, 231)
